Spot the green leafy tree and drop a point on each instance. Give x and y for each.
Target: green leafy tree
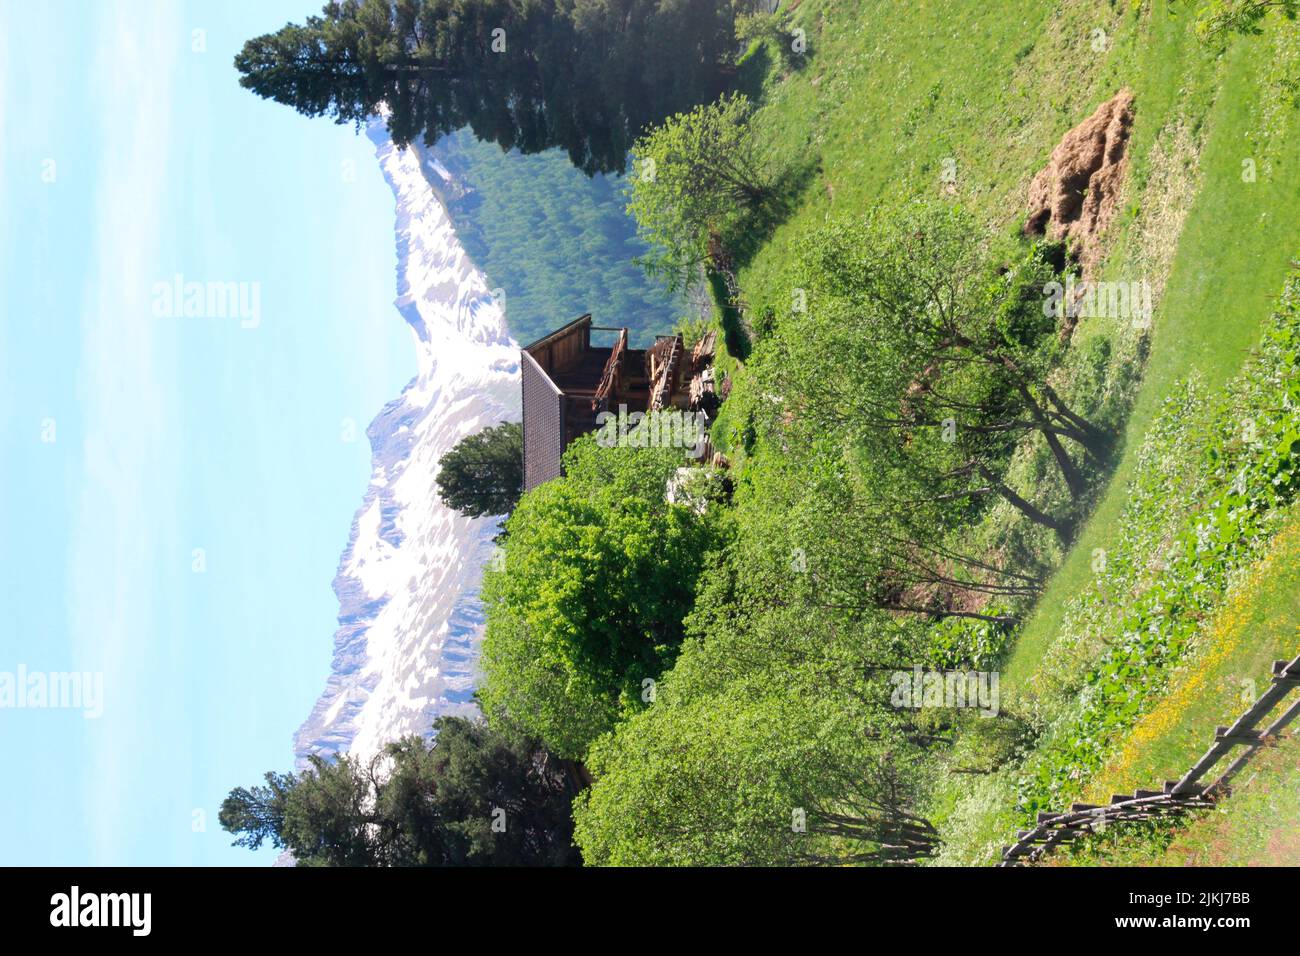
(1240, 16)
(483, 474)
(599, 572)
(822, 527)
(585, 75)
(941, 360)
(699, 174)
(755, 775)
(470, 797)
(565, 707)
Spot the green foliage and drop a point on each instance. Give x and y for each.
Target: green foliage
(567, 707)
(908, 340)
(558, 243)
(469, 797)
(520, 73)
(757, 25)
(887, 404)
(499, 799)
(699, 174)
(843, 517)
(483, 474)
(770, 28)
(257, 813)
(768, 613)
(1240, 16)
(763, 639)
(881, 144)
(963, 643)
(1250, 459)
(752, 776)
(325, 823)
(599, 572)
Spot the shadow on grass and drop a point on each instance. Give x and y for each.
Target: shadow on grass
(734, 331)
(742, 240)
(751, 232)
(751, 71)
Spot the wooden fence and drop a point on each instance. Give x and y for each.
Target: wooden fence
(1177, 796)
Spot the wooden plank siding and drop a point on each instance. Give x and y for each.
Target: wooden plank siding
(567, 382)
(544, 424)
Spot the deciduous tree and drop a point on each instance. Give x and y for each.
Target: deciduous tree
(755, 775)
(599, 572)
(697, 174)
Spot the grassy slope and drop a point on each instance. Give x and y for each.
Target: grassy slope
(894, 89)
(1234, 246)
(1227, 671)
(1259, 826)
(1231, 666)
(1231, 255)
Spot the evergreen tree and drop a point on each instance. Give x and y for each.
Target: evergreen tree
(585, 75)
(484, 473)
(257, 813)
(470, 797)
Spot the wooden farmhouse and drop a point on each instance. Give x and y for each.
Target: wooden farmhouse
(568, 381)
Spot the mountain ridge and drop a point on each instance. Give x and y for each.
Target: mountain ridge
(406, 647)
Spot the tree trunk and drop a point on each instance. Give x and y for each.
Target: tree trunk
(1006, 619)
(1073, 479)
(1091, 437)
(1028, 510)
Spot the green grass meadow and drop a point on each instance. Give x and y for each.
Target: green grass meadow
(895, 97)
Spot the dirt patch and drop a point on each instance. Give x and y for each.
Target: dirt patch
(1075, 196)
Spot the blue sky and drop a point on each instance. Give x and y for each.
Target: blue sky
(137, 447)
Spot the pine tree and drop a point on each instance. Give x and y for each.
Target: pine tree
(584, 75)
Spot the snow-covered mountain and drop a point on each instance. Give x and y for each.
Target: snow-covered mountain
(409, 617)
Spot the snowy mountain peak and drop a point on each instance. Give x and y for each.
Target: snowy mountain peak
(406, 647)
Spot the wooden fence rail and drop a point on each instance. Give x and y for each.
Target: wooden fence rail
(1177, 796)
